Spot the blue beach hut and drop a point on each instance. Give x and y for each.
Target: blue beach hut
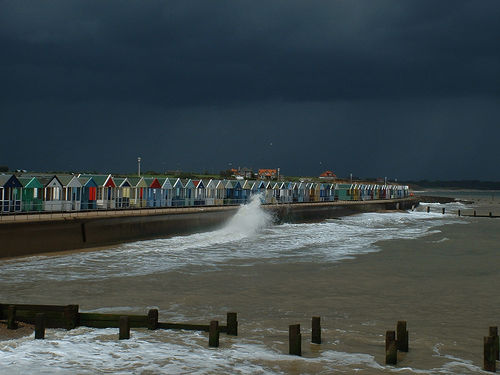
(89, 193)
(10, 193)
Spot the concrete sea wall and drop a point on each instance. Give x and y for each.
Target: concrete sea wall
(83, 231)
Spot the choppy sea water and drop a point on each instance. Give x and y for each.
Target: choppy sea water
(361, 274)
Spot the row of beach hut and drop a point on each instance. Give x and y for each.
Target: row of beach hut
(90, 192)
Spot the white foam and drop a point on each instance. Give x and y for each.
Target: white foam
(247, 239)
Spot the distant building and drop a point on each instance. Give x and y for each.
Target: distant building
(328, 175)
(246, 173)
(268, 174)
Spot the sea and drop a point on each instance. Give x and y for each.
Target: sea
(361, 274)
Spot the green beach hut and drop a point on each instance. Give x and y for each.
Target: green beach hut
(32, 194)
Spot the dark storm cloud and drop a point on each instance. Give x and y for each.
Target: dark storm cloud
(197, 52)
(328, 83)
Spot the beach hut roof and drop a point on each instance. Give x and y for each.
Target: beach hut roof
(178, 183)
(199, 184)
(30, 182)
(9, 181)
(69, 181)
(87, 181)
(152, 182)
(137, 182)
(122, 182)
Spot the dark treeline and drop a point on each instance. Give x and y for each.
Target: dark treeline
(461, 184)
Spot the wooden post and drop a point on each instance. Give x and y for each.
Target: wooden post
(474, 213)
(391, 351)
(491, 214)
(11, 317)
(213, 334)
(124, 325)
(428, 209)
(232, 324)
(494, 334)
(402, 336)
(40, 326)
(443, 210)
(153, 319)
(294, 339)
(489, 357)
(316, 330)
(458, 212)
(71, 316)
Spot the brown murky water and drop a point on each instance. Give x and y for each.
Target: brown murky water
(361, 275)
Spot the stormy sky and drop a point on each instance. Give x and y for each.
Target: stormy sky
(397, 89)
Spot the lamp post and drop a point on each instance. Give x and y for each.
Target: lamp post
(139, 166)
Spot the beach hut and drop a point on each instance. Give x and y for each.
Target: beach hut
(322, 191)
(312, 192)
(211, 192)
(53, 199)
(10, 193)
(254, 188)
(122, 192)
(189, 191)
(153, 192)
(167, 187)
(138, 189)
(199, 193)
(32, 193)
(269, 192)
(277, 192)
(246, 190)
(72, 192)
(220, 192)
(89, 193)
(233, 192)
(301, 192)
(343, 192)
(179, 194)
(295, 192)
(288, 189)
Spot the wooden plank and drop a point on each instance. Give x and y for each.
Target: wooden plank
(39, 308)
(111, 320)
(184, 326)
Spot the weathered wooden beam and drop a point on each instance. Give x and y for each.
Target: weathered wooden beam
(95, 320)
(11, 317)
(153, 319)
(494, 334)
(124, 325)
(213, 334)
(489, 363)
(402, 336)
(391, 351)
(72, 319)
(187, 327)
(316, 330)
(40, 326)
(294, 340)
(232, 324)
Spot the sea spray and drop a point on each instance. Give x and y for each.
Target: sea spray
(249, 220)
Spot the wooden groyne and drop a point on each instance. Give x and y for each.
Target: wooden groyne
(464, 213)
(68, 317)
(28, 235)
